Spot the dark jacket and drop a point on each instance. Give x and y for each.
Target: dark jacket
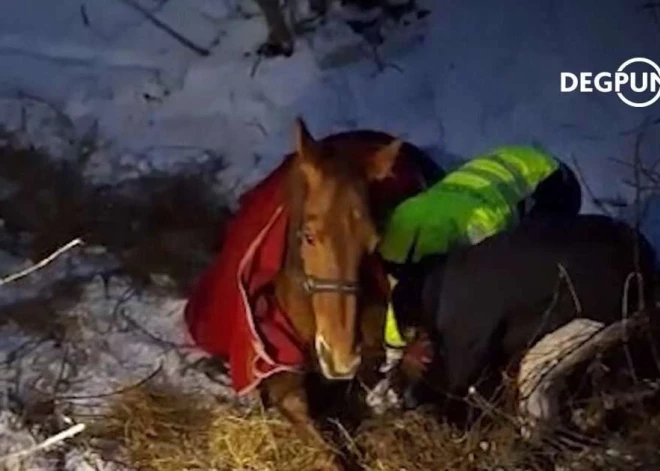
(484, 305)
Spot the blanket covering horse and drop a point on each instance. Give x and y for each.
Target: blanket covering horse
(231, 312)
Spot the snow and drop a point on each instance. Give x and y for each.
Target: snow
(118, 332)
(113, 337)
(472, 75)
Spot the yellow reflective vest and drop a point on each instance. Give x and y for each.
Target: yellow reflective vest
(474, 202)
(477, 200)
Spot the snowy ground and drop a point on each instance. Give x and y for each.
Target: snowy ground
(108, 338)
(470, 76)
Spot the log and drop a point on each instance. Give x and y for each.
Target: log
(549, 362)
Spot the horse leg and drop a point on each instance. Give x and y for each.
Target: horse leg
(287, 393)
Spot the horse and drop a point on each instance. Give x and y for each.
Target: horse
(486, 307)
(327, 199)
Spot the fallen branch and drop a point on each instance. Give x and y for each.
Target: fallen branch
(554, 358)
(117, 392)
(42, 263)
(599, 342)
(55, 439)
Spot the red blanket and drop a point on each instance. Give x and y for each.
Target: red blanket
(230, 313)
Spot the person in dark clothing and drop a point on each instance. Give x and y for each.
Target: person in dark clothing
(485, 196)
(483, 306)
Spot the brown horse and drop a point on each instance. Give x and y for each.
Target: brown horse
(295, 294)
(334, 303)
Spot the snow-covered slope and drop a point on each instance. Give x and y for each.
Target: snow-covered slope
(471, 75)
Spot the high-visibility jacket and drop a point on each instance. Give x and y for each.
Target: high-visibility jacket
(474, 202)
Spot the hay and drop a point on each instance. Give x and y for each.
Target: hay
(416, 441)
(165, 430)
(162, 429)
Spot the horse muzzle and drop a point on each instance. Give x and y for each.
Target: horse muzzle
(336, 367)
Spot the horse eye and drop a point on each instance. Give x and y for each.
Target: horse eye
(309, 237)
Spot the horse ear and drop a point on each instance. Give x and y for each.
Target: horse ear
(307, 153)
(380, 164)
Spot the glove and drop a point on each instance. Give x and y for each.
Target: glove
(417, 356)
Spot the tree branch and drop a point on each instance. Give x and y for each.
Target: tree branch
(42, 263)
(167, 29)
(49, 442)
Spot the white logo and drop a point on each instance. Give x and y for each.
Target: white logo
(606, 82)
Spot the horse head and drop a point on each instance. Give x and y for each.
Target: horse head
(331, 232)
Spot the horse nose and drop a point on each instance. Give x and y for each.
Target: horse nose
(334, 365)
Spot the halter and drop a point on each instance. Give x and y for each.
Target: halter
(312, 284)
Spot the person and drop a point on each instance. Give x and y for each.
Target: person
(486, 195)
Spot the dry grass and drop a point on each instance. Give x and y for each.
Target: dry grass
(169, 431)
(161, 429)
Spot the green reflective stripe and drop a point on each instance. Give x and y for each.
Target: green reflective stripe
(511, 194)
(463, 190)
(393, 336)
(477, 232)
(475, 201)
(523, 186)
(535, 164)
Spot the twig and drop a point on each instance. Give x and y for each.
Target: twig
(255, 65)
(83, 15)
(21, 95)
(42, 263)
(55, 439)
(637, 129)
(158, 340)
(477, 399)
(562, 276)
(576, 300)
(639, 211)
(640, 215)
(167, 29)
(649, 172)
(117, 392)
(637, 275)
